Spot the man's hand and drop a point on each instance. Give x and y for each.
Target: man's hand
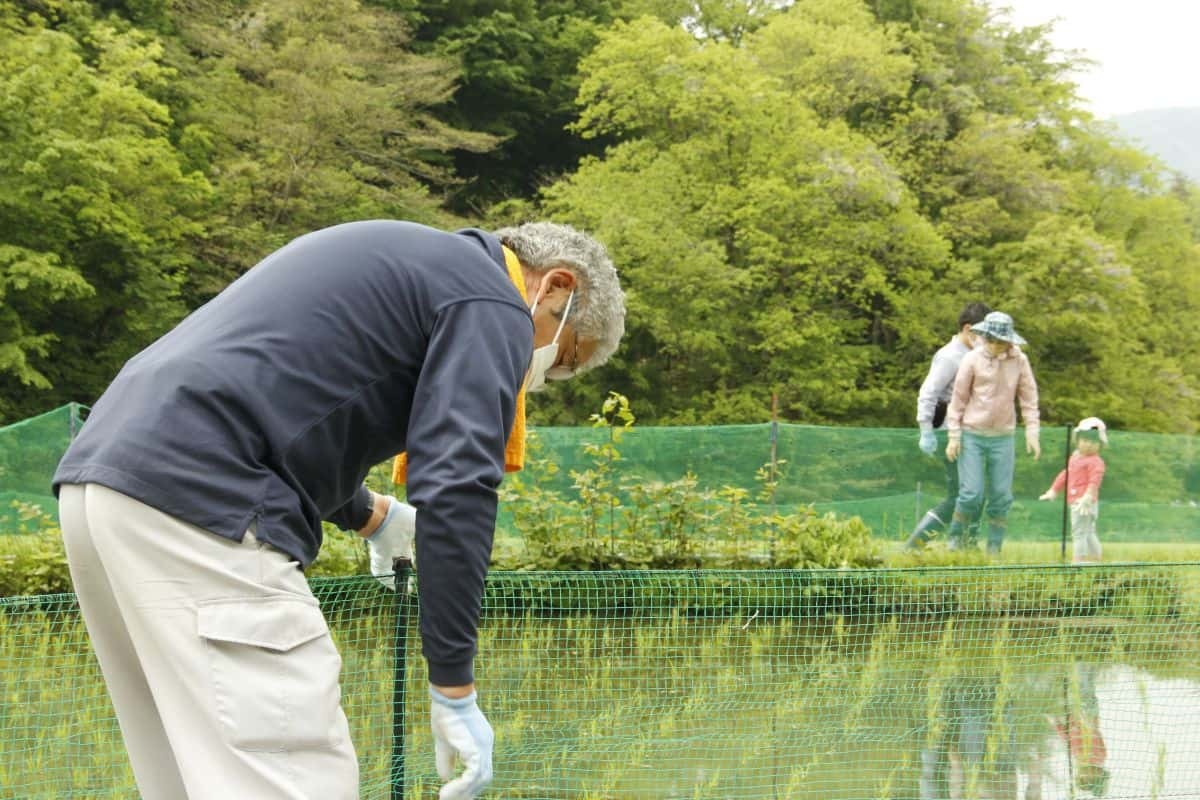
(928, 442)
(1032, 445)
(952, 449)
(392, 539)
(461, 734)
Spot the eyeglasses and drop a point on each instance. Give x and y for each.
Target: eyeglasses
(562, 372)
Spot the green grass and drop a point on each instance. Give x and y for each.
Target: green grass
(1020, 552)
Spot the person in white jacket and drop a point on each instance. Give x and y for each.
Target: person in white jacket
(932, 402)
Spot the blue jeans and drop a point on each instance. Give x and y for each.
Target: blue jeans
(985, 471)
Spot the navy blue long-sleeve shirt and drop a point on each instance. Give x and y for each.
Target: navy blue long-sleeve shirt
(269, 404)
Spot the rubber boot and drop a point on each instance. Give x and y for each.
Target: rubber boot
(995, 536)
(954, 539)
(926, 528)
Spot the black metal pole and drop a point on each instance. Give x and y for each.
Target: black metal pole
(403, 569)
(774, 454)
(1066, 516)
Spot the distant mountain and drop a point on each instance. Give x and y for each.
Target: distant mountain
(1172, 134)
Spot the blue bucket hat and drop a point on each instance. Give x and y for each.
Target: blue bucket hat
(998, 325)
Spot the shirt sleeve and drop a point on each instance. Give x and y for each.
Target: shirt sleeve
(355, 513)
(963, 381)
(1027, 396)
(941, 375)
(1060, 481)
(462, 415)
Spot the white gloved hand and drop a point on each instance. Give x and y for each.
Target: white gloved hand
(1086, 506)
(1032, 445)
(392, 539)
(461, 734)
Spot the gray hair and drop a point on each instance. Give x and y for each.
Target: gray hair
(598, 309)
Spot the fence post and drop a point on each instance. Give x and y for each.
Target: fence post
(1066, 517)
(774, 454)
(403, 569)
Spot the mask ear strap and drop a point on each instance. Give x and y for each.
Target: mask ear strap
(563, 321)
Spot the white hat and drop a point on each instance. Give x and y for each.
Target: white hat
(1094, 424)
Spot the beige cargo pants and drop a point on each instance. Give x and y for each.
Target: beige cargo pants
(217, 658)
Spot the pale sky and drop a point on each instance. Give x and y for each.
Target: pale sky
(1148, 51)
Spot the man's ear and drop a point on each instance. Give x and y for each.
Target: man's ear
(546, 282)
(562, 278)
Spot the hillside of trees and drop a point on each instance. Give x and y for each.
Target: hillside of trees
(799, 196)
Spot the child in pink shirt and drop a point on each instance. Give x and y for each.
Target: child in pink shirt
(1081, 478)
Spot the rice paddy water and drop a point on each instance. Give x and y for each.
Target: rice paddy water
(980, 683)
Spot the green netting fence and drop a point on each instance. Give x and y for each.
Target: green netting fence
(993, 682)
(29, 452)
(1151, 492)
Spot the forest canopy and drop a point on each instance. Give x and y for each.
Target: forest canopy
(799, 196)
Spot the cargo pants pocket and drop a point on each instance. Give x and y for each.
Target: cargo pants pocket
(274, 673)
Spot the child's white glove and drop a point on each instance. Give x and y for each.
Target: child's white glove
(393, 539)
(1086, 506)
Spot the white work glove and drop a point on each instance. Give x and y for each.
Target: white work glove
(392, 539)
(1032, 445)
(928, 442)
(461, 734)
(1086, 506)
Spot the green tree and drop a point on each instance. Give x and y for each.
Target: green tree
(519, 62)
(95, 205)
(766, 249)
(804, 207)
(306, 113)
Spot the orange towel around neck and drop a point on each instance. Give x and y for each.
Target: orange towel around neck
(514, 451)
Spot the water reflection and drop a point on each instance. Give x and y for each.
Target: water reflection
(1073, 732)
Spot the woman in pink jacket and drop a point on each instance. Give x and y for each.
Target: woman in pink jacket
(981, 420)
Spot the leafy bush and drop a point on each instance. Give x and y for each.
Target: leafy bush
(34, 562)
(614, 521)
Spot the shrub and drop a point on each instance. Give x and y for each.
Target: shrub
(34, 562)
(619, 522)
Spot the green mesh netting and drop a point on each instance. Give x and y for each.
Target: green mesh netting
(1151, 491)
(29, 452)
(968, 683)
(1150, 494)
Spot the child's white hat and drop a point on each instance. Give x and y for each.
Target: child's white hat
(1093, 424)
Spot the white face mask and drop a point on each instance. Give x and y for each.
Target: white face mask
(545, 356)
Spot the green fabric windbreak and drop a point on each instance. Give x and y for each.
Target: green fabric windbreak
(1151, 490)
(29, 453)
(1150, 494)
(994, 682)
